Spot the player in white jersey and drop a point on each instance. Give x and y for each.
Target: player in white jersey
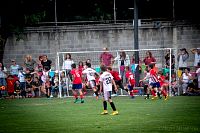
(90, 75)
(106, 82)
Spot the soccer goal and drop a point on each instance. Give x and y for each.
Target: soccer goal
(94, 56)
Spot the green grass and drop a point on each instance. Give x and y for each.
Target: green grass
(178, 114)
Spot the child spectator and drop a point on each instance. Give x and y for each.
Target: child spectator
(36, 87)
(3, 75)
(64, 81)
(10, 86)
(55, 84)
(48, 86)
(28, 86)
(22, 80)
(17, 88)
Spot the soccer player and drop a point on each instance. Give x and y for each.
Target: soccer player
(163, 85)
(106, 82)
(117, 78)
(130, 81)
(154, 83)
(77, 83)
(90, 73)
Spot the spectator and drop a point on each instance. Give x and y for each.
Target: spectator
(185, 80)
(3, 75)
(67, 65)
(198, 75)
(29, 63)
(106, 58)
(149, 59)
(196, 52)
(21, 77)
(183, 55)
(167, 60)
(123, 61)
(46, 63)
(14, 68)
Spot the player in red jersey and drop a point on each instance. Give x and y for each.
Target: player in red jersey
(130, 81)
(77, 83)
(154, 83)
(163, 85)
(117, 78)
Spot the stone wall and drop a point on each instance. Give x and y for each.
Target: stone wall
(50, 40)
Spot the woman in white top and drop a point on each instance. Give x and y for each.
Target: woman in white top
(67, 65)
(123, 61)
(185, 79)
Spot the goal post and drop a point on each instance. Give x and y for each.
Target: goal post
(94, 56)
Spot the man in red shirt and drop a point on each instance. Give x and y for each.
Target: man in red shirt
(106, 58)
(77, 83)
(117, 78)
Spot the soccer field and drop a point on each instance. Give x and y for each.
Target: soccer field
(38, 115)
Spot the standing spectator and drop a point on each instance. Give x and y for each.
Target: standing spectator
(196, 52)
(29, 63)
(67, 65)
(46, 63)
(183, 55)
(149, 59)
(3, 75)
(22, 77)
(106, 58)
(167, 61)
(14, 68)
(198, 75)
(123, 61)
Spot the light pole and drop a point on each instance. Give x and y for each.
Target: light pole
(55, 13)
(136, 44)
(114, 8)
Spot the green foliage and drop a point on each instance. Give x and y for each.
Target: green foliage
(34, 18)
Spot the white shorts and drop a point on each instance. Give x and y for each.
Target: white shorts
(92, 83)
(107, 95)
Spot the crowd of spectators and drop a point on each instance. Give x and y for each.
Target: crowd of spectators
(34, 78)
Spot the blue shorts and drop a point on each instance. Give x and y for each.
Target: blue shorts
(130, 87)
(155, 85)
(77, 86)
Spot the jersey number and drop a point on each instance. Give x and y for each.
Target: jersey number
(108, 80)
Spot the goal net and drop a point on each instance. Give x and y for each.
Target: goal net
(94, 57)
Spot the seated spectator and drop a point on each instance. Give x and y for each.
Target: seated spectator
(185, 80)
(36, 85)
